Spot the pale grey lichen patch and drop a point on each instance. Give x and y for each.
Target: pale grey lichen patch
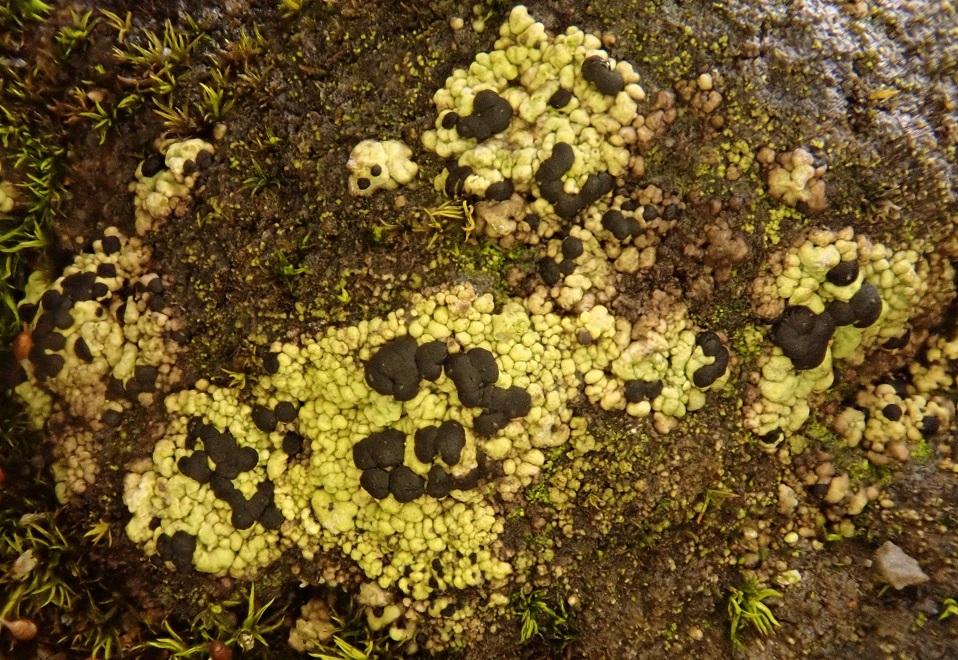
(379, 165)
(101, 336)
(890, 420)
(102, 332)
(164, 184)
(793, 177)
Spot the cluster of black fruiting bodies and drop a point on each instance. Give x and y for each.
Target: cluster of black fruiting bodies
(803, 335)
(623, 228)
(552, 271)
(712, 346)
(177, 548)
(549, 177)
(53, 314)
(155, 163)
(929, 424)
(614, 221)
(491, 114)
(380, 457)
(231, 460)
(397, 369)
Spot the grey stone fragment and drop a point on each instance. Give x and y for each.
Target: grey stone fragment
(897, 567)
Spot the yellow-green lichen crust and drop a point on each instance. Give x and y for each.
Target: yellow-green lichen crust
(798, 277)
(429, 544)
(526, 67)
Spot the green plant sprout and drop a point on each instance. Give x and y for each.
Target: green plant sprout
(172, 47)
(346, 651)
(245, 49)
(13, 242)
(19, 12)
(103, 116)
(215, 623)
(286, 270)
(460, 213)
(237, 379)
(33, 580)
(175, 120)
(123, 26)
(261, 180)
(98, 531)
(254, 626)
(745, 606)
(951, 609)
(537, 618)
(214, 104)
(71, 36)
(289, 8)
(716, 496)
(175, 645)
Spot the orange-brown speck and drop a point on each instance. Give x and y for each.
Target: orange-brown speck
(22, 344)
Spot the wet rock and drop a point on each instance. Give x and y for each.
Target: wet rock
(456, 179)
(285, 411)
(557, 164)
(196, 466)
(619, 226)
(487, 424)
(153, 165)
(841, 312)
(471, 387)
(429, 359)
(929, 425)
(512, 401)
(242, 460)
(271, 363)
(891, 412)
(560, 99)
(500, 190)
(712, 347)
(272, 517)
(182, 546)
(110, 244)
(450, 439)
(439, 483)
(898, 342)
(292, 443)
(219, 446)
(111, 418)
(571, 247)
(642, 390)
(375, 482)
(450, 119)
(549, 271)
(491, 114)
